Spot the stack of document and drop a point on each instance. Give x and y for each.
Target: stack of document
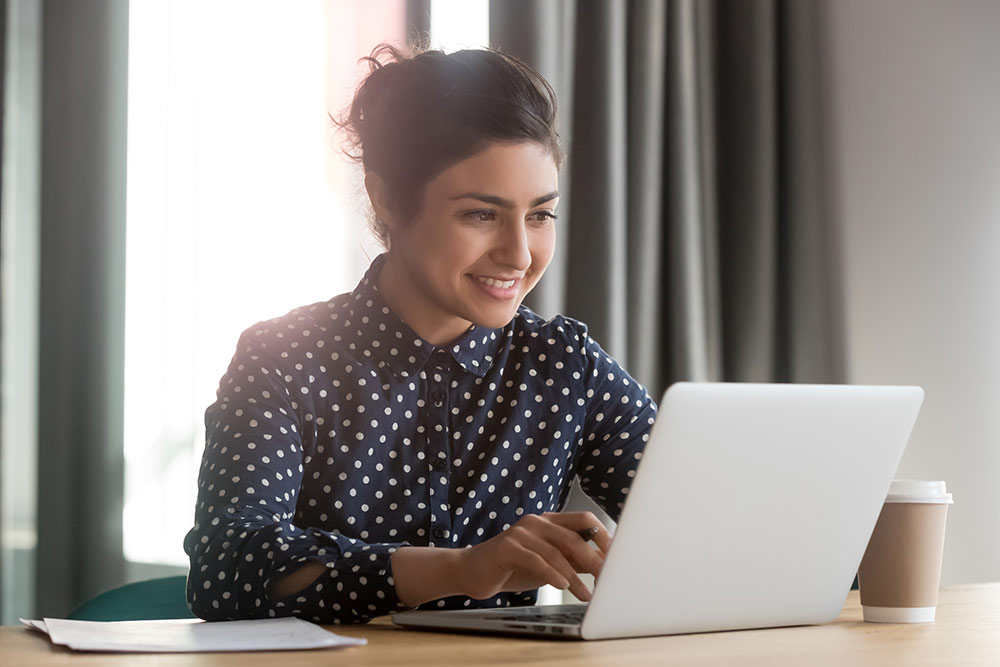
(190, 635)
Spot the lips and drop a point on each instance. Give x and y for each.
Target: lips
(501, 288)
(496, 282)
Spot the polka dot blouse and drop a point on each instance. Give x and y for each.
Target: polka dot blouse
(339, 435)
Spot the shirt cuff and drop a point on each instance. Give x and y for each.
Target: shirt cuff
(356, 586)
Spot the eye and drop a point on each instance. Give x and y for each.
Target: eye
(543, 216)
(480, 215)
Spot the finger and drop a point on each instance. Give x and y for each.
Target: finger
(602, 551)
(539, 567)
(603, 540)
(555, 558)
(577, 521)
(583, 555)
(571, 544)
(552, 527)
(588, 535)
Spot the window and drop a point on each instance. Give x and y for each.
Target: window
(240, 207)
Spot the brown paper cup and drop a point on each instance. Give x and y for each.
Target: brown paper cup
(900, 572)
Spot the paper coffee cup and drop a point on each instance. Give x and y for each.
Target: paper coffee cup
(900, 572)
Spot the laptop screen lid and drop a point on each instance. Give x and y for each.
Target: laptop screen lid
(752, 507)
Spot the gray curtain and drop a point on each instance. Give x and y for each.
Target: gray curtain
(82, 296)
(4, 595)
(697, 238)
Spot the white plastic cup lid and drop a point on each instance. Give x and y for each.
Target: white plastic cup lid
(918, 491)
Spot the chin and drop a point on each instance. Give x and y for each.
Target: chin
(496, 320)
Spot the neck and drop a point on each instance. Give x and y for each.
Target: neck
(411, 304)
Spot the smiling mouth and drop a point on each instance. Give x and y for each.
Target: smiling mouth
(491, 282)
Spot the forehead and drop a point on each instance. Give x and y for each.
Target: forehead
(515, 171)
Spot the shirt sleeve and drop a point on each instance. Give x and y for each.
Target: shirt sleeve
(619, 416)
(243, 539)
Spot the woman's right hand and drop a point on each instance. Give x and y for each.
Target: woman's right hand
(537, 550)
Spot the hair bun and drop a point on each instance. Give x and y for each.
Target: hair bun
(416, 113)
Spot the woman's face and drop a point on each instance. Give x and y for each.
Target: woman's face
(483, 238)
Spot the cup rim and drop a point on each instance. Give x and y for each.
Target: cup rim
(918, 491)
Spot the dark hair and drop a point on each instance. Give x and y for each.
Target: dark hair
(413, 116)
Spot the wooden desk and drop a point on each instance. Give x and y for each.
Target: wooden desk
(967, 632)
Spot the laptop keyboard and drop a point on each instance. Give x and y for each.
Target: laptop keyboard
(567, 615)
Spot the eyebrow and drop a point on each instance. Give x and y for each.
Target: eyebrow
(505, 203)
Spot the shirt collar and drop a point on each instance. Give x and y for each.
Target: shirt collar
(382, 336)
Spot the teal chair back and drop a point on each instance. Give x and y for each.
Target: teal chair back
(141, 601)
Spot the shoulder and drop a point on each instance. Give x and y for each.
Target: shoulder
(306, 326)
(528, 323)
(557, 341)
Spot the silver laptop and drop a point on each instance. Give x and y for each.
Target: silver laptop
(751, 508)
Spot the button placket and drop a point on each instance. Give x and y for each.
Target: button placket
(439, 469)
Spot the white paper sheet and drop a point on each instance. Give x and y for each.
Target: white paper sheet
(35, 625)
(190, 635)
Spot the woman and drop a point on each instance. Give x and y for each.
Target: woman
(357, 445)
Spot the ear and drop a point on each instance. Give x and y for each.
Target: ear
(378, 194)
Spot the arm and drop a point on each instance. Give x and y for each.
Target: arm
(537, 550)
(421, 574)
(244, 539)
(620, 414)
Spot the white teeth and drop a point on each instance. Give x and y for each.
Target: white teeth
(502, 284)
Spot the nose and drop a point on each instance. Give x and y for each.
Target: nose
(512, 248)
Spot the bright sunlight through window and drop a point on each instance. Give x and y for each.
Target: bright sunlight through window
(240, 207)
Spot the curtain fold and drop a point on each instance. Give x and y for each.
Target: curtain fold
(4, 556)
(82, 296)
(747, 184)
(814, 314)
(689, 323)
(542, 34)
(698, 239)
(646, 132)
(596, 263)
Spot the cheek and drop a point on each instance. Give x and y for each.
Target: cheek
(430, 246)
(543, 246)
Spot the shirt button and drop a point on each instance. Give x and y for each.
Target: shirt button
(438, 463)
(439, 532)
(438, 397)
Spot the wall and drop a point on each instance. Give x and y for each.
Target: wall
(915, 121)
